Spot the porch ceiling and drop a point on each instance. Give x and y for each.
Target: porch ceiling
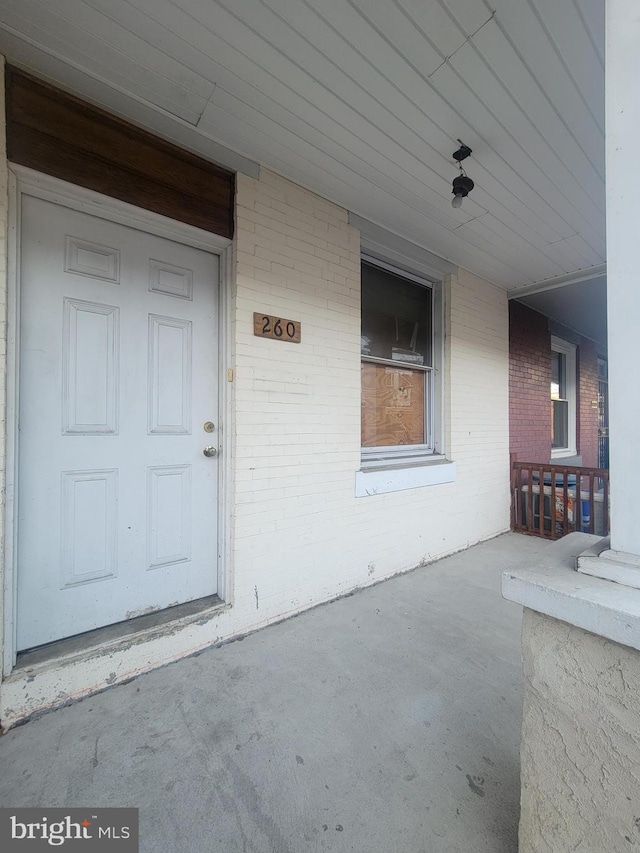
(581, 306)
(363, 102)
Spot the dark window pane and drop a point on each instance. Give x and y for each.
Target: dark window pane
(558, 376)
(560, 437)
(602, 369)
(396, 317)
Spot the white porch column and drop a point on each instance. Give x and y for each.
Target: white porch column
(581, 635)
(623, 268)
(619, 560)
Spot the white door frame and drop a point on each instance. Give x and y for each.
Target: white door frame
(24, 181)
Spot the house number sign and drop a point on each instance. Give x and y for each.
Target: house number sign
(268, 326)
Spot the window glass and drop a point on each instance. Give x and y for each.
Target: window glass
(558, 376)
(396, 318)
(560, 436)
(563, 396)
(396, 327)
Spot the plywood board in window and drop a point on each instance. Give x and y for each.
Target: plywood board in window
(393, 411)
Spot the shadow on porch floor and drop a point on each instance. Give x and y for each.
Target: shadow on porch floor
(386, 721)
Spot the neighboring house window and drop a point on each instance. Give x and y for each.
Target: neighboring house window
(563, 398)
(400, 348)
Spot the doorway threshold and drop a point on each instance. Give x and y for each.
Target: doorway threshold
(112, 634)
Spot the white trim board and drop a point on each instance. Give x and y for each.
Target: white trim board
(382, 481)
(51, 67)
(43, 186)
(558, 281)
(388, 247)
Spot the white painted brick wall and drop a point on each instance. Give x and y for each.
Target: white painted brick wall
(301, 536)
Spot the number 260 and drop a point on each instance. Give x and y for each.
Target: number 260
(277, 330)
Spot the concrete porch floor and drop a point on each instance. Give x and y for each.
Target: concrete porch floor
(385, 721)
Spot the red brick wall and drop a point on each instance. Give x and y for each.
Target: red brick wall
(587, 394)
(529, 381)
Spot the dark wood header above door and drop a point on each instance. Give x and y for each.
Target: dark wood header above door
(56, 133)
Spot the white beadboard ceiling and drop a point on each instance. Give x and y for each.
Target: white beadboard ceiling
(582, 306)
(363, 101)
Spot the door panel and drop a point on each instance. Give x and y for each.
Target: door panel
(90, 367)
(118, 375)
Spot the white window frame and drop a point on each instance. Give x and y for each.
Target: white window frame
(433, 449)
(569, 351)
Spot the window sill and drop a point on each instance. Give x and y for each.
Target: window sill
(412, 475)
(565, 454)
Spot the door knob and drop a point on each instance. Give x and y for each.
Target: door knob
(209, 450)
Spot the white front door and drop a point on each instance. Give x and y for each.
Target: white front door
(118, 389)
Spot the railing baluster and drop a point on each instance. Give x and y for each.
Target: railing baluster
(541, 502)
(565, 490)
(530, 502)
(513, 474)
(577, 502)
(521, 519)
(552, 505)
(592, 504)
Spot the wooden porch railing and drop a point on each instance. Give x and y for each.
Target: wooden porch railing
(553, 500)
